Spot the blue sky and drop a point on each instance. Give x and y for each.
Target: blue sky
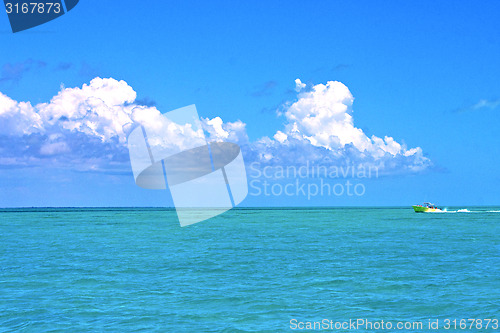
(425, 74)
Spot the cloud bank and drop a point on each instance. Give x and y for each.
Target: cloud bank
(86, 129)
(320, 128)
(83, 128)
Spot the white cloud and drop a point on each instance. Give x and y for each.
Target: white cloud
(280, 137)
(18, 118)
(299, 85)
(90, 123)
(87, 128)
(217, 130)
(320, 127)
(323, 116)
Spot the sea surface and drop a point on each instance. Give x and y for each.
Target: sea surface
(248, 270)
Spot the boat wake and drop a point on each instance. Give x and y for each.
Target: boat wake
(467, 211)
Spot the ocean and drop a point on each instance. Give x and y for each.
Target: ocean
(247, 270)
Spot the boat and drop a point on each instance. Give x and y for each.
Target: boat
(426, 207)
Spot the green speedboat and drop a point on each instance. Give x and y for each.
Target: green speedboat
(426, 207)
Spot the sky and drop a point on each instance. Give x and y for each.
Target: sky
(411, 88)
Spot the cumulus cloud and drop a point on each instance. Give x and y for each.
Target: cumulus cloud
(299, 85)
(323, 117)
(87, 128)
(320, 127)
(217, 130)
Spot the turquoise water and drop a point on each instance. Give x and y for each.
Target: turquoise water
(248, 270)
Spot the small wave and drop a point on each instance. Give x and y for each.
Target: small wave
(463, 211)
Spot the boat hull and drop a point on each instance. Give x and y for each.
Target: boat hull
(422, 209)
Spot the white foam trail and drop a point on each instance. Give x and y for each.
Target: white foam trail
(465, 210)
(445, 210)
